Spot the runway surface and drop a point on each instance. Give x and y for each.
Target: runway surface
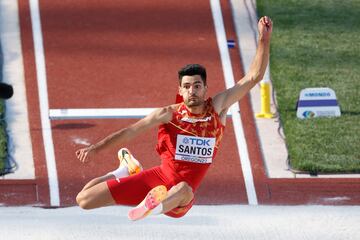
(202, 223)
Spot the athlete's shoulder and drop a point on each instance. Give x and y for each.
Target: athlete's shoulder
(213, 107)
(215, 104)
(169, 109)
(165, 114)
(209, 104)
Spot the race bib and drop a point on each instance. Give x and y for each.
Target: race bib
(194, 149)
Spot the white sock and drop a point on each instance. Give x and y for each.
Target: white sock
(157, 210)
(120, 172)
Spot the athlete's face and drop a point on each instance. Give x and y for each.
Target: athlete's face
(193, 90)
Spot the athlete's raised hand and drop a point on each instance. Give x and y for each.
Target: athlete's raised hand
(265, 27)
(84, 154)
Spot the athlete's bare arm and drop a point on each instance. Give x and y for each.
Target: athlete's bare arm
(225, 99)
(159, 116)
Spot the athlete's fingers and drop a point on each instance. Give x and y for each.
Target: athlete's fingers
(77, 153)
(261, 20)
(84, 156)
(80, 155)
(262, 23)
(265, 25)
(266, 21)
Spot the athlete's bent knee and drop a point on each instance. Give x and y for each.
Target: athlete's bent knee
(82, 200)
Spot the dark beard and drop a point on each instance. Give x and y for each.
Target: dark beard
(193, 103)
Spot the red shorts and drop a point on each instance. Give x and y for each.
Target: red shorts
(133, 189)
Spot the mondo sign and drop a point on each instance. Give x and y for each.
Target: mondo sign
(317, 102)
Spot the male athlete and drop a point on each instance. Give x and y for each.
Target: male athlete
(188, 139)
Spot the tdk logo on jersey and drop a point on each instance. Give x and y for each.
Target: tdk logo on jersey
(196, 141)
(194, 149)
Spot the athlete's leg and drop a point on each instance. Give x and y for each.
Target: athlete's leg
(96, 192)
(178, 196)
(97, 180)
(155, 202)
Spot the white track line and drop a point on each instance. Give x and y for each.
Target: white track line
(96, 113)
(44, 105)
(235, 109)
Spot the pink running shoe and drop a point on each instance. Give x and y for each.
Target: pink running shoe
(151, 201)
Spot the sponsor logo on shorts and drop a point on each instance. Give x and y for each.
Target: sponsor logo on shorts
(194, 149)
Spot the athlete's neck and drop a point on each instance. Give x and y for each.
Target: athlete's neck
(196, 109)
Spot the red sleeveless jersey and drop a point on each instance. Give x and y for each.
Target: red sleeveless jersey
(188, 143)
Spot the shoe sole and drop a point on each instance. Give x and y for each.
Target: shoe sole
(158, 194)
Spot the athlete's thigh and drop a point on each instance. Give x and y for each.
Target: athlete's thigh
(133, 189)
(97, 196)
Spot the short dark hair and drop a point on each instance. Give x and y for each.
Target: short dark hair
(191, 70)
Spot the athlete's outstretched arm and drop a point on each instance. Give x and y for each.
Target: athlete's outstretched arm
(256, 73)
(160, 115)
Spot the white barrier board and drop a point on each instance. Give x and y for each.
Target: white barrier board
(317, 102)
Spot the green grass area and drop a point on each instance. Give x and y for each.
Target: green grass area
(316, 44)
(3, 138)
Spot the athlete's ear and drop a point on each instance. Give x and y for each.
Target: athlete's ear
(179, 90)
